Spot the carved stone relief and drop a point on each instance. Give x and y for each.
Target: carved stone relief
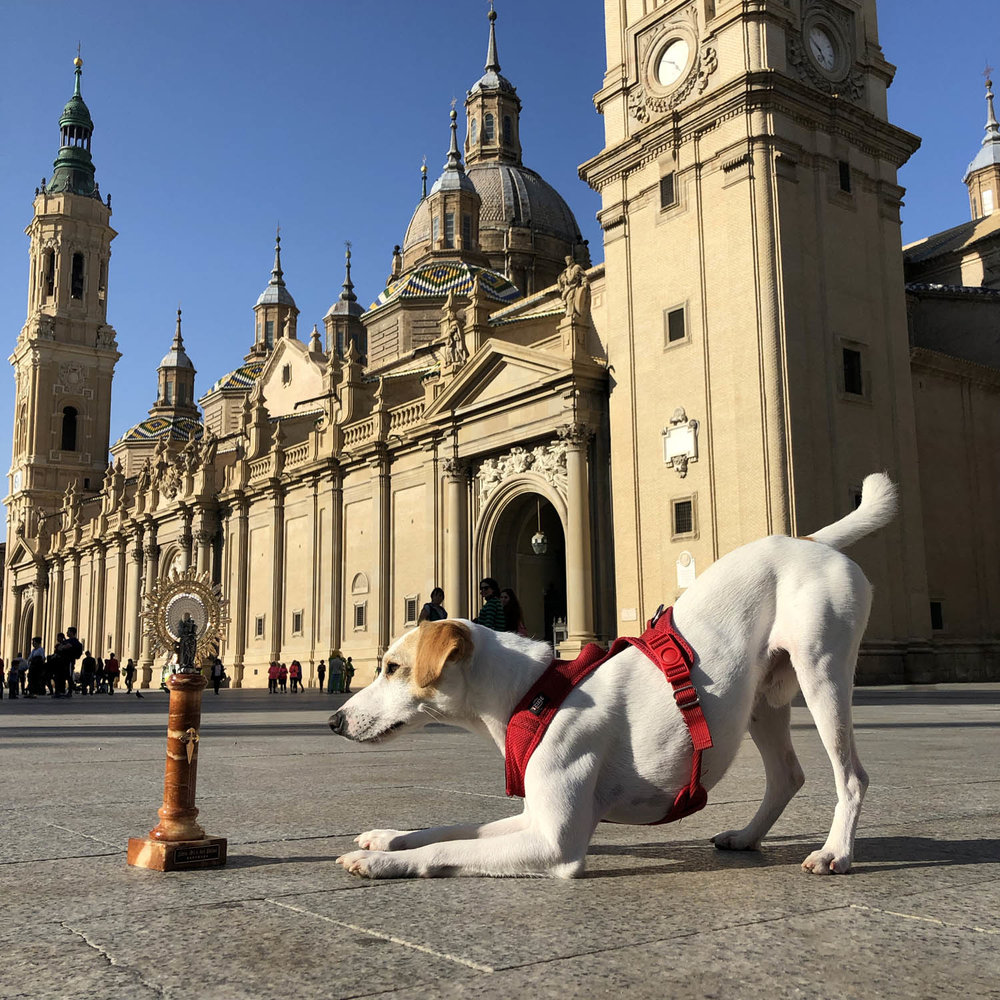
(680, 442)
(546, 460)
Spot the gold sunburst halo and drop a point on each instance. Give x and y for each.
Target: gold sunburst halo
(179, 592)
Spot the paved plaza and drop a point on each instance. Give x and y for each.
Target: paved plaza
(660, 914)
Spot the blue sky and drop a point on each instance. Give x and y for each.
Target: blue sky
(216, 121)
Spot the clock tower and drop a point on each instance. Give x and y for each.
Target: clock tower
(756, 323)
(66, 352)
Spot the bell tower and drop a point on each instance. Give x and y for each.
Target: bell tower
(65, 355)
(754, 288)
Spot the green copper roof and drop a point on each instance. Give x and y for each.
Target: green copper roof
(74, 168)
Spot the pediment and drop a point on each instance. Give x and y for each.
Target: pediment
(22, 554)
(498, 371)
(291, 375)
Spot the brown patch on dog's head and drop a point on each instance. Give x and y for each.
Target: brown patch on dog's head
(439, 643)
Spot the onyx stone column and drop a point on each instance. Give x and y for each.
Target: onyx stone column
(178, 842)
(579, 564)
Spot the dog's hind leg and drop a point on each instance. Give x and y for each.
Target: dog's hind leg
(827, 691)
(771, 731)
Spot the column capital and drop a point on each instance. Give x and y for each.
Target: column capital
(151, 549)
(456, 468)
(575, 435)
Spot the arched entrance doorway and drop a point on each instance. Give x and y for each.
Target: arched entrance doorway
(537, 577)
(26, 632)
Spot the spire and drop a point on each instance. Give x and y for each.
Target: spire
(74, 168)
(347, 295)
(423, 179)
(178, 344)
(992, 126)
(454, 157)
(492, 61)
(277, 278)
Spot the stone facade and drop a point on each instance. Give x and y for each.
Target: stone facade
(593, 436)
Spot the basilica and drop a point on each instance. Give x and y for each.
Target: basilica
(593, 435)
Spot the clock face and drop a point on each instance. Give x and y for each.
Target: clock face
(17, 480)
(822, 47)
(673, 62)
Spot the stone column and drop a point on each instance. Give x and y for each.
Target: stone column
(99, 598)
(203, 559)
(41, 603)
(152, 553)
(579, 565)
(241, 589)
(121, 588)
(74, 593)
(186, 540)
(131, 631)
(336, 561)
(56, 602)
(277, 570)
(380, 465)
(456, 568)
(16, 637)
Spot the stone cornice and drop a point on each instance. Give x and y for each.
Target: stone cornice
(955, 368)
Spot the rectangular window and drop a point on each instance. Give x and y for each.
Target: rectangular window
(269, 333)
(853, 377)
(668, 195)
(937, 616)
(683, 517)
(76, 277)
(258, 629)
(360, 616)
(409, 610)
(845, 176)
(449, 229)
(987, 202)
(435, 229)
(168, 393)
(675, 330)
(466, 230)
(296, 623)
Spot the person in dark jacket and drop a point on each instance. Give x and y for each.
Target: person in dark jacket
(433, 610)
(491, 614)
(88, 673)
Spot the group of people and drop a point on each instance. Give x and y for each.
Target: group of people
(341, 673)
(278, 676)
(501, 610)
(40, 674)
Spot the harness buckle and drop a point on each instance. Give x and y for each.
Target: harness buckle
(681, 696)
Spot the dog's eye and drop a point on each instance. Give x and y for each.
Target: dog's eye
(390, 669)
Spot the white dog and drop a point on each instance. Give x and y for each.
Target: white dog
(775, 616)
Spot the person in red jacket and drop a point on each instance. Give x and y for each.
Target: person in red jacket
(112, 668)
(283, 678)
(295, 675)
(272, 678)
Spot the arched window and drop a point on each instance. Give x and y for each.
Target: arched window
(49, 274)
(76, 278)
(474, 132)
(508, 130)
(359, 585)
(69, 429)
(488, 129)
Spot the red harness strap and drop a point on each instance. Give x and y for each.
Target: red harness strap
(666, 647)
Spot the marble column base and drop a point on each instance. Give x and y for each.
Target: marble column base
(177, 855)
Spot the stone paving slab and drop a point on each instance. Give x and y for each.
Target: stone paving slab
(660, 913)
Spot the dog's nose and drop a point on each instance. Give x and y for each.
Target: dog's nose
(338, 723)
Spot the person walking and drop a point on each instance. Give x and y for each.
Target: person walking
(348, 674)
(336, 671)
(112, 668)
(88, 674)
(512, 611)
(433, 610)
(283, 678)
(218, 672)
(321, 674)
(129, 675)
(491, 614)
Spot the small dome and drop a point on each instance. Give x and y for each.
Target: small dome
(436, 280)
(176, 358)
(492, 80)
(276, 294)
(515, 195)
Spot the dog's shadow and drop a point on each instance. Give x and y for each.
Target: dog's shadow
(871, 855)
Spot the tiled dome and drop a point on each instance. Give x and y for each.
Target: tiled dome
(437, 279)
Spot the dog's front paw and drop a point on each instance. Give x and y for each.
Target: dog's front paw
(735, 840)
(826, 862)
(381, 840)
(368, 864)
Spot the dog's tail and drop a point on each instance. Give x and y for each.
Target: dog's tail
(879, 503)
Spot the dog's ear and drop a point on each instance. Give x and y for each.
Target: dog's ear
(438, 643)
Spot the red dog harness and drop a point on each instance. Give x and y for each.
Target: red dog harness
(666, 647)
